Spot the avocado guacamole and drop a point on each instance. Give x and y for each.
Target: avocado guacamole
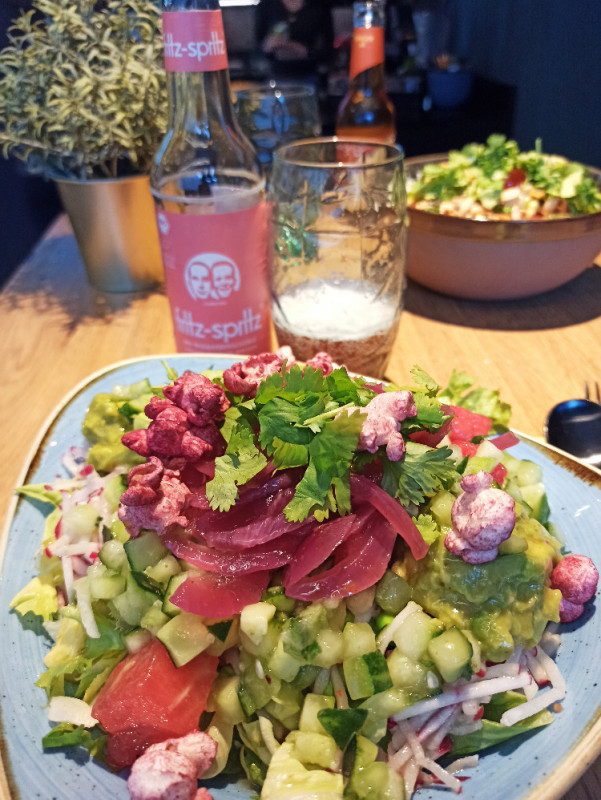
(505, 603)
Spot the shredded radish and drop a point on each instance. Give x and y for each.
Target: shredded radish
(266, 728)
(466, 762)
(435, 721)
(477, 689)
(445, 777)
(412, 739)
(84, 603)
(503, 670)
(387, 634)
(339, 688)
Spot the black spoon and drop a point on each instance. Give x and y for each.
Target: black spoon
(575, 426)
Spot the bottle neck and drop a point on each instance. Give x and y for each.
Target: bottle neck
(197, 68)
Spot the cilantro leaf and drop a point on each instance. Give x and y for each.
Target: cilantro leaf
(425, 381)
(428, 528)
(279, 418)
(241, 461)
(287, 455)
(330, 457)
(421, 473)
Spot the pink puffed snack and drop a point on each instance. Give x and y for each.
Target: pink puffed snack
(482, 518)
(576, 577)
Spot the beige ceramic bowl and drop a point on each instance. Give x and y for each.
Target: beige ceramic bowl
(489, 260)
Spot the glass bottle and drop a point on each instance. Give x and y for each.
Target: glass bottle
(366, 112)
(209, 194)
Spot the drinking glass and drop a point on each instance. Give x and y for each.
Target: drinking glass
(339, 249)
(275, 113)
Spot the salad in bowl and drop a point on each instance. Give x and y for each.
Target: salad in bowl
(330, 586)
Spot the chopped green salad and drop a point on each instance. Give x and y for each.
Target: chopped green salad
(497, 180)
(308, 581)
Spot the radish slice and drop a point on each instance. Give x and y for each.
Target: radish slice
(363, 490)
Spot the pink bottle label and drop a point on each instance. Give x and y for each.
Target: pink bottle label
(216, 279)
(194, 41)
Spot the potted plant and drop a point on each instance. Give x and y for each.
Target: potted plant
(83, 102)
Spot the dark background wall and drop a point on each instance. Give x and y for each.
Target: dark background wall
(547, 51)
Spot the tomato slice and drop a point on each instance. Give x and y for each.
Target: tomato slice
(147, 699)
(466, 424)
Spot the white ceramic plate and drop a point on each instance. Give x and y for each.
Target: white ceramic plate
(541, 766)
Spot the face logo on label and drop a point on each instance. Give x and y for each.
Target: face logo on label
(211, 276)
(163, 224)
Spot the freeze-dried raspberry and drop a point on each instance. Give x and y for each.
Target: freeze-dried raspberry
(152, 506)
(576, 577)
(322, 361)
(201, 399)
(245, 376)
(482, 518)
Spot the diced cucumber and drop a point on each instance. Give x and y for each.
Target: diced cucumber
(405, 672)
(174, 583)
(254, 620)
(358, 638)
(132, 390)
(133, 603)
(185, 636)
(370, 778)
(534, 494)
(415, 632)
(224, 699)
(528, 473)
(154, 618)
(392, 592)
(312, 705)
(317, 749)
(255, 689)
(285, 706)
(165, 568)
(282, 664)
(366, 675)
(113, 490)
(277, 596)
(144, 551)
(451, 653)
(331, 646)
(136, 640)
(441, 506)
(105, 584)
(380, 707)
(112, 555)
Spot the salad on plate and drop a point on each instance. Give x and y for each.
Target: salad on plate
(331, 586)
(497, 181)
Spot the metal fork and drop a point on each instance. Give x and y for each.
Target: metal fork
(592, 392)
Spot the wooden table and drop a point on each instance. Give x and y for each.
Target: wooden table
(55, 330)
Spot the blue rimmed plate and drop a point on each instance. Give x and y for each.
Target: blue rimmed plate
(541, 766)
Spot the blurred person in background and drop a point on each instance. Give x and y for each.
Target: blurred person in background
(297, 36)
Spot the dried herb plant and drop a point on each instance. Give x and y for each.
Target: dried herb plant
(83, 88)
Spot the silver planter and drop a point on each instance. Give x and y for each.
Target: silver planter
(115, 227)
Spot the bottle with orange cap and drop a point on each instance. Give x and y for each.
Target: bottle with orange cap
(366, 111)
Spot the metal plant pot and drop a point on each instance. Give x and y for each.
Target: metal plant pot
(115, 227)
